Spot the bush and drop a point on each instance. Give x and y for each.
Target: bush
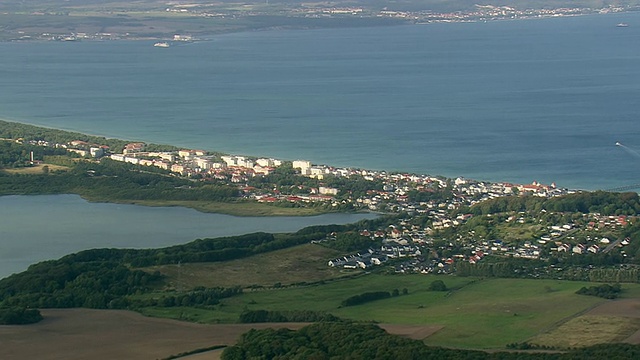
(19, 316)
(437, 285)
(605, 291)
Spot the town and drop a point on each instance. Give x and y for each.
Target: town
(435, 229)
(211, 18)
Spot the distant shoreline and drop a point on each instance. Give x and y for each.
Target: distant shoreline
(246, 22)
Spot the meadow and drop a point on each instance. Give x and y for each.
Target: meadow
(36, 169)
(304, 263)
(475, 313)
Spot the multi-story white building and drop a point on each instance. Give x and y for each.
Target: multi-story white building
(96, 152)
(303, 165)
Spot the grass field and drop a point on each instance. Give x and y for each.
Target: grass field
(587, 330)
(36, 169)
(482, 314)
(475, 313)
(306, 263)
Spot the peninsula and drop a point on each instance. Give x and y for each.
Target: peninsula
(178, 21)
(101, 169)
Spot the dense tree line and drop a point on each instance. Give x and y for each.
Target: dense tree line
(351, 241)
(341, 340)
(592, 267)
(199, 250)
(118, 181)
(262, 316)
(615, 274)
(506, 268)
(99, 285)
(379, 222)
(221, 249)
(365, 298)
(12, 130)
(604, 291)
(437, 195)
(63, 284)
(326, 341)
(19, 316)
(605, 203)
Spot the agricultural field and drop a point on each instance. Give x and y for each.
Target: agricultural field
(97, 334)
(475, 313)
(612, 321)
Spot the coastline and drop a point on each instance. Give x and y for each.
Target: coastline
(293, 21)
(234, 207)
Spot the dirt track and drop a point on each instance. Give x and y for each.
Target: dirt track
(113, 334)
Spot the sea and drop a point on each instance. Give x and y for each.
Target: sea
(552, 100)
(522, 100)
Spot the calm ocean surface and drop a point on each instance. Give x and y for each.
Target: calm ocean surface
(36, 228)
(516, 101)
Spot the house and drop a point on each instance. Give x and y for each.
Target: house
(351, 264)
(133, 148)
(336, 262)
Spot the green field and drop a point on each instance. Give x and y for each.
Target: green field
(589, 329)
(477, 313)
(304, 263)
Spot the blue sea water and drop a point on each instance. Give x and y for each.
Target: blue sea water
(543, 99)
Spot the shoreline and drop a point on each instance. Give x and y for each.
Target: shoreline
(460, 17)
(357, 168)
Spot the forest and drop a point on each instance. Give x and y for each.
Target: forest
(110, 180)
(264, 316)
(26, 132)
(605, 203)
(14, 155)
(344, 340)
